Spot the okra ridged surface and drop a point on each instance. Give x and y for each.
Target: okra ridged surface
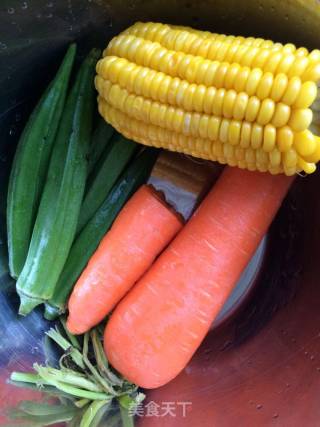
(244, 102)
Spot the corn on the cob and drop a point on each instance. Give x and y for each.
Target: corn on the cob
(244, 102)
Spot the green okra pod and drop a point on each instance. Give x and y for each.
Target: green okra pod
(58, 213)
(30, 164)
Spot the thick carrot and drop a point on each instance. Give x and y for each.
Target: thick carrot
(141, 231)
(157, 327)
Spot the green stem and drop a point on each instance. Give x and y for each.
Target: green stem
(91, 413)
(68, 377)
(25, 377)
(102, 361)
(69, 388)
(108, 388)
(72, 338)
(43, 409)
(66, 345)
(81, 403)
(126, 418)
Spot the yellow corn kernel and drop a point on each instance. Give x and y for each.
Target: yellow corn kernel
(300, 119)
(285, 137)
(279, 87)
(253, 81)
(262, 167)
(244, 102)
(234, 132)
(252, 167)
(302, 51)
(155, 31)
(262, 157)
(218, 149)
(275, 157)
(256, 136)
(218, 102)
(209, 100)
(242, 78)
(305, 143)
(299, 66)
(289, 171)
(305, 166)
(250, 156)
(266, 112)
(231, 75)
(290, 158)
(240, 106)
(306, 96)
(286, 63)
(245, 135)
(281, 115)
(315, 156)
(224, 130)
(269, 138)
(213, 128)
(228, 104)
(239, 153)
(228, 151)
(274, 170)
(292, 91)
(314, 56)
(252, 110)
(265, 86)
(312, 73)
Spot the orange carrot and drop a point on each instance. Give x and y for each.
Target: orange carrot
(158, 326)
(141, 231)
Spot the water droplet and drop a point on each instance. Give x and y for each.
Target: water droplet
(3, 46)
(312, 357)
(12, 131)
(293, 340)
(259, 406)
(286, 17)
(306, 353)
(50, 4)
(275, 415)
(318, 368)
(251, 402)
(287, 385)
(272, 9)
(24, 5)
(11, 10)
(50, 15)
(39, 15)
